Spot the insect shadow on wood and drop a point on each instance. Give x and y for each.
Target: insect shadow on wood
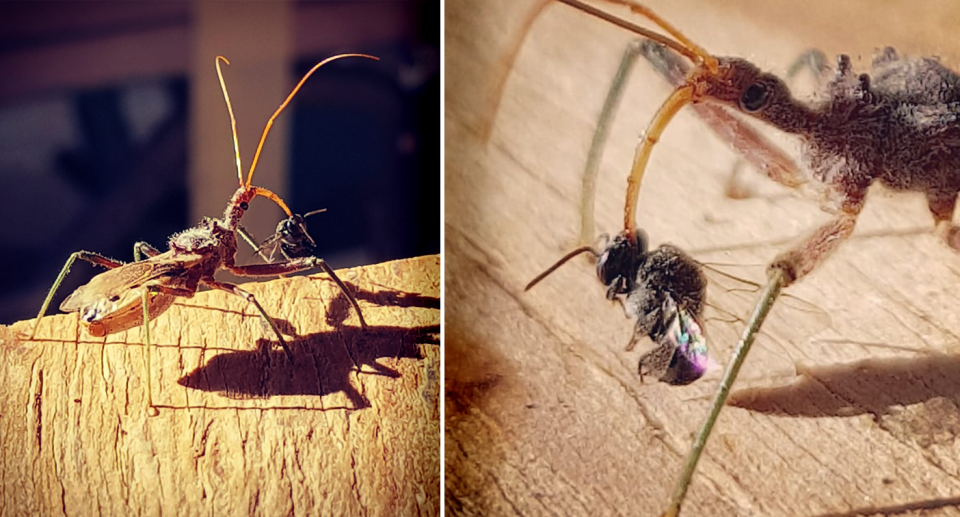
(326, 367)
(133, 294)
(898, 126)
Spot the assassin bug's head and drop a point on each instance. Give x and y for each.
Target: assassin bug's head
(241, 199)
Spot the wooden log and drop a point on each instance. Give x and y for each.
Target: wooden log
(545, 413)
(350, 428)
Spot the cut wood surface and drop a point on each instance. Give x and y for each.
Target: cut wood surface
(241, 429)
(545, 413)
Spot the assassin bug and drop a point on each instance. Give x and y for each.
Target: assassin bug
(898, 126)
(132, 294)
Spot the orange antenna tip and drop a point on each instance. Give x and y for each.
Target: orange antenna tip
(266, 130)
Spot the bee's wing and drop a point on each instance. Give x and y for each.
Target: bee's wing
(680, 356)
(732, 294)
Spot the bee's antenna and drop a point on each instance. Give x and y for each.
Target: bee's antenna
(562, 261)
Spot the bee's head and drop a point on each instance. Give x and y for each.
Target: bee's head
(618, 264)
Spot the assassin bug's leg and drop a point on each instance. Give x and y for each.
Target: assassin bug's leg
(232, 288)
(151, 410)
(245, 235)
(93, 258)
(786, 269)
(296, 265)
(327, 269)
(592, 169)
(141, 249)
(942, 208)
(767, 298)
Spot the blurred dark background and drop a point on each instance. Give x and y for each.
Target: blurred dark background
(113, 129)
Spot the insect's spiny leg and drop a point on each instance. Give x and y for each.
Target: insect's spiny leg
(151, 410)
(942, 209)
(232, 288)
(141, 248)
(273, 325)
(293, 266)
(767, 298)
(93, 258)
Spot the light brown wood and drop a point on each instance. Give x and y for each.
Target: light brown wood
(241, 431)
(545, 413)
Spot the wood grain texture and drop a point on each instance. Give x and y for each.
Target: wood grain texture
(241, 430)
(545, 414)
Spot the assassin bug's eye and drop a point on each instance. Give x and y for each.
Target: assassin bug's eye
(754, 98)
(244, 205)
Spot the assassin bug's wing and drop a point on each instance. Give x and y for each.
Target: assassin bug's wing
(112, 301)
(114, 286)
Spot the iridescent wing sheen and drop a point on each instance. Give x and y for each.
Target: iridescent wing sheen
(680, 356)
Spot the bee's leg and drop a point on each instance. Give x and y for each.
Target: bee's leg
(293, 266)
(232, 288)
(93, 258)
(143, 248)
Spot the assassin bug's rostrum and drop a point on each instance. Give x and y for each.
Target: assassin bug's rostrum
(897, 126)
(133, 294)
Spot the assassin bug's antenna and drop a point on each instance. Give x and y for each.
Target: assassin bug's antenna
(296, 88)
(692, 51)
(233, 120)
(260, 191)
